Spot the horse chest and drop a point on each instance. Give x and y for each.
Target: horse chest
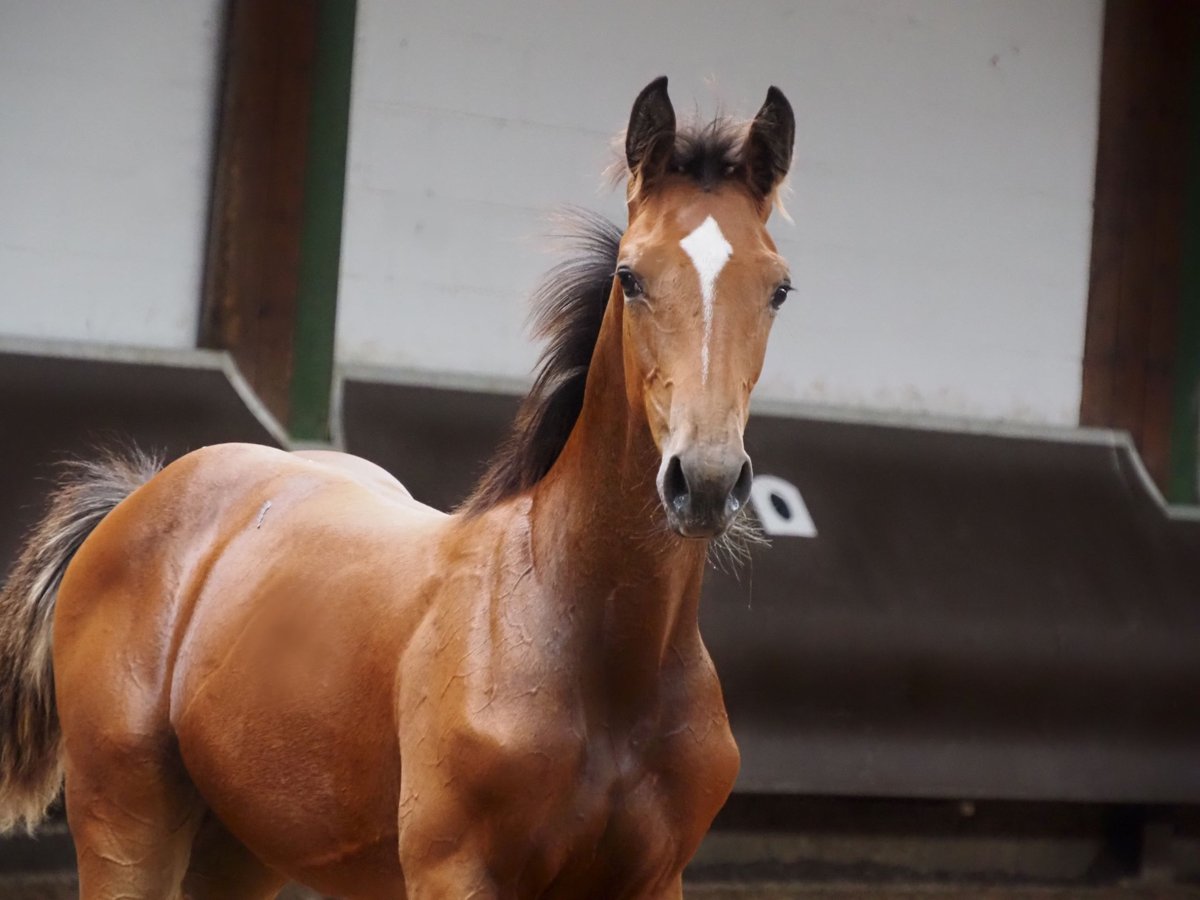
(581, 808)
(642, 804)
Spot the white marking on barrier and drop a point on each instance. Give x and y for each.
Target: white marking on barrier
(780, 508)
(709, 251)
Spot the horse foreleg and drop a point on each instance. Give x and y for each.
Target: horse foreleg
(674, 891)
(457, 876)
(438, 868)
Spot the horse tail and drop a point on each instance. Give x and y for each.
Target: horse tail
(30, 738)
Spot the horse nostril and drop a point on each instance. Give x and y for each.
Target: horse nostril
(675, 486)
(741, 487)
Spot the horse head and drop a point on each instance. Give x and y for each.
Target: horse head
(701, 283)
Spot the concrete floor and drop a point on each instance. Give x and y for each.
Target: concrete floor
(59, 887)
(939, 892)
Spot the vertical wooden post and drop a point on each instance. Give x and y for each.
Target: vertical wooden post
(275, 227)
(1183, 484)
(1135, 369)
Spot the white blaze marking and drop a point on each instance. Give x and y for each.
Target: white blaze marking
(709, 251)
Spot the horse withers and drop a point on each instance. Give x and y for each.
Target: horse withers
(255, 666)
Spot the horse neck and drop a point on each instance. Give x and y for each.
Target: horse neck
(599, 539)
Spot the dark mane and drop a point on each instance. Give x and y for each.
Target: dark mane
(568, 307)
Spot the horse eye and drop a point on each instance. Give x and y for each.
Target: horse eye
(781, 293)
(629, 282)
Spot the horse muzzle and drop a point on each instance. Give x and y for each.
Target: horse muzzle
(704, 490)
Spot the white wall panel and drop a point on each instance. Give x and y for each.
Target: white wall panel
(942, 188)
(105, 145)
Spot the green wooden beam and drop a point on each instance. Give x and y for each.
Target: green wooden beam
(321, 234)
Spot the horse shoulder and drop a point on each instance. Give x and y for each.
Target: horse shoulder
(480, 692)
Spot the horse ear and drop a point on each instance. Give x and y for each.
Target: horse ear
(768, 152)
(650, 137)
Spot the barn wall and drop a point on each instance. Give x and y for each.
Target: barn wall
(942, 189)
(104, 167)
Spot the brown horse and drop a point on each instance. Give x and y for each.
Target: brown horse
(272, 666)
